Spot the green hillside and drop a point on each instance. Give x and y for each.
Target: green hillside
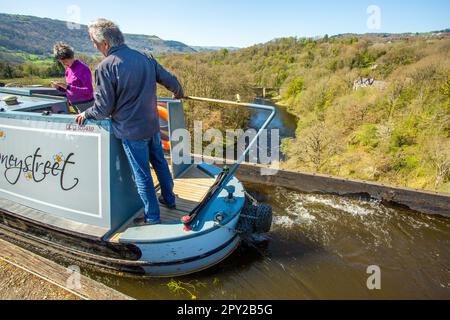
(396, 131)
(24, 36)
(373, 107)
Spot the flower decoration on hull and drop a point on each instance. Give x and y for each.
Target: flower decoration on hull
(59, 158)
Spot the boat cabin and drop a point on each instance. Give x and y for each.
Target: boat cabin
(78, 177)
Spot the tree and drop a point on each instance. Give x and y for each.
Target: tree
(446, 88)
(316, 146)
(224, 52)
(295, 87)
(7, 71)
(438, 154)
(392, 98)
(55, 70)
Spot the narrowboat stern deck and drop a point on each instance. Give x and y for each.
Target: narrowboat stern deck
(190, 189)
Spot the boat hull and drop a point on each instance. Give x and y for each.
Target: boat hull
(132, 259)
(191, 255)
(198, 264)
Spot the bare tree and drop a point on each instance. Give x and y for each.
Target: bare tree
(439, 157)
(392, 97)
(317, 146)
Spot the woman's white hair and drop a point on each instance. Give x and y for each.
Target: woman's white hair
(106, 30)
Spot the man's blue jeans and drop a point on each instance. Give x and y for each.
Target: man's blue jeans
(140, 154)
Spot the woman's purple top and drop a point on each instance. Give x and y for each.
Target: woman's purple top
(79, 81)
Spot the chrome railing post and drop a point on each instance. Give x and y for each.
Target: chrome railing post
(254, 140)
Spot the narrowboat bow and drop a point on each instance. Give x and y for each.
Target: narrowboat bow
(67, 191)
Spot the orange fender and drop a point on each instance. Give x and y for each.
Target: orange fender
(164, 114)
(166, 145)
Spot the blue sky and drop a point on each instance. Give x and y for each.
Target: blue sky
(244, 22)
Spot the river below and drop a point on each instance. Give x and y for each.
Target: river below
(284, 121)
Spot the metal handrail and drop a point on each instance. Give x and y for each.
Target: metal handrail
(255, 139)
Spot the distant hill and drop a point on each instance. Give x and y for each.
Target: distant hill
(24, 37)
(393, 36)
(210, 49)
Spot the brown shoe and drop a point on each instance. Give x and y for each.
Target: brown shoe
(141, 222)
(164, 203)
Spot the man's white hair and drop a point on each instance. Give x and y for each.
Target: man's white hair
(106, 30)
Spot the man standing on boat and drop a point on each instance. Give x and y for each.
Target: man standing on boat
(126, 91)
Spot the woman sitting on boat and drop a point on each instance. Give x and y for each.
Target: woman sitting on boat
(78, 86)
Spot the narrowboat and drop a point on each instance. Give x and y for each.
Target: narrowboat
(67, 191)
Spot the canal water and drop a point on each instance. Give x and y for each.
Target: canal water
(320, 247)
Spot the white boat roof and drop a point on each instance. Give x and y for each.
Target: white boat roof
(26, 102)
(32, 90)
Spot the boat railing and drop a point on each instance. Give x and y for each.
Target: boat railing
(241, 159)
